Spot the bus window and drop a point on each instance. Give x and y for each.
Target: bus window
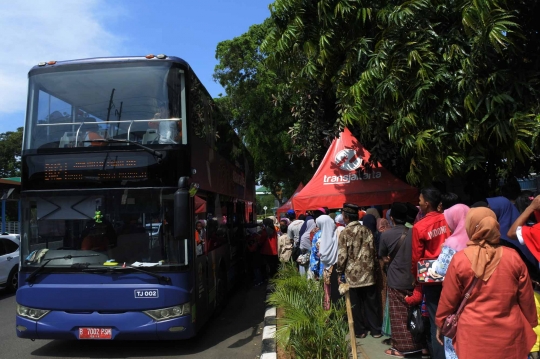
(200, 225)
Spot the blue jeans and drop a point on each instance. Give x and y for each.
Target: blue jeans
(433, 294)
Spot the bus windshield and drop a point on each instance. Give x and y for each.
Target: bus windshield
(132, 226)
(83, 105)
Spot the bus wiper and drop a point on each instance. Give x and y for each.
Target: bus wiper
(114, 140)
(34, 274)
(122, 269)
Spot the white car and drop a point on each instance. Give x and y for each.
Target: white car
(9, 261)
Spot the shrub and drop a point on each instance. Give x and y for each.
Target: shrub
(306, 328)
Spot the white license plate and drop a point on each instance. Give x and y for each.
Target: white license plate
(146, 293)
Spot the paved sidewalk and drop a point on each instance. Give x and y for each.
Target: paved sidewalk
(371, 348)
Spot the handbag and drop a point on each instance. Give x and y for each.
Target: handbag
(424, 273)
(295, 253)
(449, 327)
(415, 322)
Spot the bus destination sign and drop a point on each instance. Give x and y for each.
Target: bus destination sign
(102, 168)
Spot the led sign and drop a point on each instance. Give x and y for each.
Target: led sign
(117, 168)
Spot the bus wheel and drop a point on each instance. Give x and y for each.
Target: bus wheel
(13, 280)
(221, 289)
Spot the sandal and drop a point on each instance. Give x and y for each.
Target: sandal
(361, 336)
(376, 336)
(387, 341)
(394, 353)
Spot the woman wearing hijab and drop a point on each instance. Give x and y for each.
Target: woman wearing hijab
(507, 213)
(315, 261)
(323, 243)
(455, 218)
(371, 222)
(498, 317)
(305, 245)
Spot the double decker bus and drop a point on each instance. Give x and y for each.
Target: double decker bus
(134, 195)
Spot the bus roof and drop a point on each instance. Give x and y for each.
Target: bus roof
(104, 60)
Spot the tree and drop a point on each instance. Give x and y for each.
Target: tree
(434, 88)
(265, 200)
(10, 153)
(261, 120)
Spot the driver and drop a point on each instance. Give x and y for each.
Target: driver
(98, 235)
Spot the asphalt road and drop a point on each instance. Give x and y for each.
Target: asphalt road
(236, 333)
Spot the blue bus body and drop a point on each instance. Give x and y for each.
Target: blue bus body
(134, 194)
(105, 301)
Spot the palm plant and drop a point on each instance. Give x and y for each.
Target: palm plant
(306, 328)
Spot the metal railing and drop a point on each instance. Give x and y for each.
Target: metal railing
(12, 227)
(80, 124)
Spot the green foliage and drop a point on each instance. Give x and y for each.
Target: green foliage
(261, 120)
(265, 200)
(434, 89)
(306, 328)
(10, 153)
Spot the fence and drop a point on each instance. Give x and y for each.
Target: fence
(528, 184)
(12, 227)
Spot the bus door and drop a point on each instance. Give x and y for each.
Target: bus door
(201, 287)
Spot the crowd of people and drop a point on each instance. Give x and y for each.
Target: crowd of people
(440, 256)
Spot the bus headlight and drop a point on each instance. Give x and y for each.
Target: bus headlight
(31, 313)
(169, 313)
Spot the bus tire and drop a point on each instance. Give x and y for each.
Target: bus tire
(221, 291)
(13, 280)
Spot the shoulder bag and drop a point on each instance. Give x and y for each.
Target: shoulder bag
(392, 255)
(449, 327)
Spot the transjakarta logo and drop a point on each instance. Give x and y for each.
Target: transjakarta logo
(348, 161)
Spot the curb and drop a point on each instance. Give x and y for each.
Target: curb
(269, 348)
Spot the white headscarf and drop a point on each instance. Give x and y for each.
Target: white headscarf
(328, 246)
(339, 219)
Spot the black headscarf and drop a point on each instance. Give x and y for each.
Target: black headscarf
(370, 221)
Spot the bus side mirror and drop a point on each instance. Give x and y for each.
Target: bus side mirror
(182, 223)
(181, 214)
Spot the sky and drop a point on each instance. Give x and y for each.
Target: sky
(35, 31)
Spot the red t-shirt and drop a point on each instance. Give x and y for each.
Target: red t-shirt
(269, 243)
(531, 238)
(428, 236)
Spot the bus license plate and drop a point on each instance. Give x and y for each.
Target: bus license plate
(146, 293)
(95, 333)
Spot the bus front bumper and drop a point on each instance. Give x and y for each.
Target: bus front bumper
(124, 326)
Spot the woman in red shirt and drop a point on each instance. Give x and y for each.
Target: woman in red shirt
(269, 246)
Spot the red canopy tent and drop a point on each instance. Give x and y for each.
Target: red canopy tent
(339, 180)
(288, 205)
(200, 205)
